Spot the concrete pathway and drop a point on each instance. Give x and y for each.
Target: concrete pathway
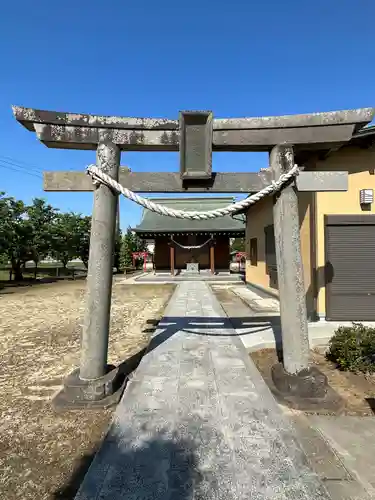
(197, 420)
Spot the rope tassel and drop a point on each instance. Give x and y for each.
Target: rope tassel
(99, 176)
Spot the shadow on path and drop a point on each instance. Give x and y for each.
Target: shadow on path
(211, 327)
(164, 466)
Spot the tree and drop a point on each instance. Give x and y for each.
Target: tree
(71, 238)
(238, 245)
(25, 231)
(41, 218)
(35, 231)
(82, 238)
(130, 243)
(140, 244)
(126, 259)
(6, 226)
(64, 247)
(16, 234)
(117, 251)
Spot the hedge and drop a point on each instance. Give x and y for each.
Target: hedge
(353, 348)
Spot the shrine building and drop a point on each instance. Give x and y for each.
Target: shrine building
(191, 245)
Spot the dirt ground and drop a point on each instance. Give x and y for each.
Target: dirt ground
(44, 455)
(357, 390)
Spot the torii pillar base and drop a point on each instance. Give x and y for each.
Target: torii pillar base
(307, 390)
(100, 393)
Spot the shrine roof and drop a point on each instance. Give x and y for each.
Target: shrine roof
(152, 223)
(365, 131)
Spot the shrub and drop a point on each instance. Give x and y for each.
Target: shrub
(353, 348)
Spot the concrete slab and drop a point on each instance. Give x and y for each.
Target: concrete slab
(197, 420)
(185, 276)
(266, 333)
(256, 302)
(127, 280)
(353, 439)
(259, 327)
(340, 481)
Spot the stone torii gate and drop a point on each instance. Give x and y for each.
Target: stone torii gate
(195, 135)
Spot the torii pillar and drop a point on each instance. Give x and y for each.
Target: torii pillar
(299, 384)
(95, 383)
(94, 345)
(289, 266)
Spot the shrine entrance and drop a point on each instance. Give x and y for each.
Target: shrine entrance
(290, 140)
(182, 242)
(192, 249)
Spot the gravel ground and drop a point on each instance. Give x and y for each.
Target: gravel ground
(44, 455)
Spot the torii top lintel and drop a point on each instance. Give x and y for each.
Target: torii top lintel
(83, 131)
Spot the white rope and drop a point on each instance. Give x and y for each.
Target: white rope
(191, 247)
(99, 176)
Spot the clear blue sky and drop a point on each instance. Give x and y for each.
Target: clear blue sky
(238, 58)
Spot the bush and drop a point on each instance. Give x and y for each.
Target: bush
(353, 348)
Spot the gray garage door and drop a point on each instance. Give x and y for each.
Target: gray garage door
(350, 268)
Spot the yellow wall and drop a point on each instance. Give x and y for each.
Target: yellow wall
(258, 217)
(304, 205)
(358, 163)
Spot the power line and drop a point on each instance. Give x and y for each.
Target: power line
(18, 166)
(20, 171)
(14, 164)
(22, 164)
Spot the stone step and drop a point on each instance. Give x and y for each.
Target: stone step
(257, 303)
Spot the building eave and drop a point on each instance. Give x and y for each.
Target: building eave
(150, 234)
